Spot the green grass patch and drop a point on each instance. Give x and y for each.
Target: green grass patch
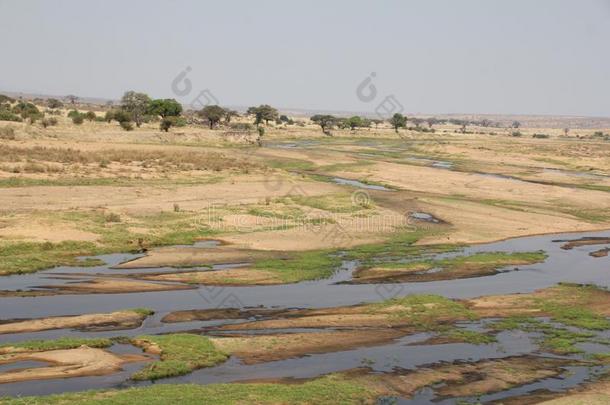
(180, 354)
(28, 257)
(58, 344)
(425, 311)
(479, 261)
(555, 339)
(332, 389)
(143, 312)
(336, 203)
(115, 236)
(312, 265)
(576, 316)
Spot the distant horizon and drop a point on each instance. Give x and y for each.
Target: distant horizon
(513, 57)
(93, 99)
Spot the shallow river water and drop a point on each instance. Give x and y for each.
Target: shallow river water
(573, 265)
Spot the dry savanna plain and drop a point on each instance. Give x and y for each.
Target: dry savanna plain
(466, 264)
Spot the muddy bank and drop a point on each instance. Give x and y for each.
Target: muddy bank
(83, 361)
(586, 241)
(219, 314)
(188, 256)
(600, 253)
(89, 322)
(225, 277)
(273, 347)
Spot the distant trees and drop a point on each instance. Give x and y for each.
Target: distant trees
(72, 98)
(325, 121)
(398, 121)
(263, 112)
(516, 124)
(136, 105)
(376, 122)
(168, 109)
(417, 121)
(54, 103)
(356, 122)
(213, 114)
(6, 99)
(431, 121)
(229, 114)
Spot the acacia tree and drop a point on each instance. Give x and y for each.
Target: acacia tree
(355, 122)
(431, 121)
(263, 112)
(325, 121)
(516, 124)
(398, 121)
(168, 109)
(135, 104)
(72, 98)
(54, 103)
(213, 114)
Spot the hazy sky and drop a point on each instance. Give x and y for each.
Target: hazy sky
(434, 56)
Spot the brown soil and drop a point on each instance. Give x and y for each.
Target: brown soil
(597, 301)
(113, 320)
(415, 275)
(600, 253)
(225, 277)
(571, 244)
(113, 286)
(84, 361)
(263, 348)
(217, 314)
(459, 378)
(187, 257)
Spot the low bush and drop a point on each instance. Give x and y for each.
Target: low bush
(78, 119)
(9, 116)
(126, 125)
(48, 122)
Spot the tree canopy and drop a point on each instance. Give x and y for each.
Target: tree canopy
(325, 121)
(213, 114)
(136, 104)
(164, 108)
(263, 112)
(398, 121)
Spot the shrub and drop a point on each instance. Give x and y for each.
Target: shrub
(90, 115)
(73, 113)
(179, 122)
(26, 110)
(121, 116)
(78, 119)
(4, 98)
(109, 116)
(9, 116)
(540, 136)
(516, 134)
(126, 125)
(166, 124)
(100, 119)
(54, 103)
(48, 122)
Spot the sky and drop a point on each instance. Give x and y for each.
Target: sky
(430, 56)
